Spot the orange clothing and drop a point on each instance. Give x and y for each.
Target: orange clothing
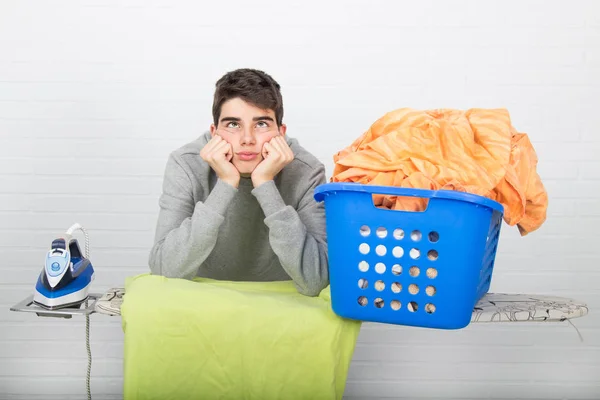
(476, 151)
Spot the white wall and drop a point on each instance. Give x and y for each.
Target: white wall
(94, 94)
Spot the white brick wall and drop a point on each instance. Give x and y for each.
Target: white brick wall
(94, 94)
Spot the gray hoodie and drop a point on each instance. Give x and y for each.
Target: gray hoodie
(208, 228)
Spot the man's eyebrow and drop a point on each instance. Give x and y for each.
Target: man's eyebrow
(263, 118)
(235, 119)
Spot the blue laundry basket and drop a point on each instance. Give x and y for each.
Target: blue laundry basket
(425, 269)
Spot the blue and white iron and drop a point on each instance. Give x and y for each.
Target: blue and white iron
(67, 274)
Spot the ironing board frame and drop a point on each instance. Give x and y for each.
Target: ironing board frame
(493, 307)
(27, 305)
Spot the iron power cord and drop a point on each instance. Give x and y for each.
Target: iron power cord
(87, 316)
(89, 353)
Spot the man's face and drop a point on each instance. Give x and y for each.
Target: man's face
(247, 128)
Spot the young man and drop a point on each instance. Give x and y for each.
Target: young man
(237, 203)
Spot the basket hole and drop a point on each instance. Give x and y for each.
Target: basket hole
(432, 255)
(430, 290)
(379, 303)
(363, 266)
(380, 268)
(416, 235)
(396, 269)
(412, 306)
(415, 253)
(398, 234)
(364, 248)
(396, 287)
(365, 231)
(431, 273)
(414, 271)
(363, 283)
(381, 250)
(413, 288)
(379, 286)
(429, 308)
(381, 232)
(398, 252)
(434, 236)
(395, 304)
(362, 300)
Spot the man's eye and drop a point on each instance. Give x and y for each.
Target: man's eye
(232, 124)
(262, 124)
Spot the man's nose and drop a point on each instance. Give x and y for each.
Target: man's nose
(248, 137)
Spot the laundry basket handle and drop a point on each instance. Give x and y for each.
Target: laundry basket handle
(323, 190)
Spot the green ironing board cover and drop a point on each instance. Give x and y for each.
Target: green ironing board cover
(210, 339)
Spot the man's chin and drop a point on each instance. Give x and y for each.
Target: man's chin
(245, 169)
(245, 172)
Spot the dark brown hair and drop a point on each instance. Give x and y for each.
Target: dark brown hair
(252, 86)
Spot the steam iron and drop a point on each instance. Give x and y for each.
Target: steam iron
(67, 274)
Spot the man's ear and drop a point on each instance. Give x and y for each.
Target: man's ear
(282, 129)
(213, 130)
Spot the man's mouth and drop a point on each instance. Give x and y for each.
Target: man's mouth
(247, 155)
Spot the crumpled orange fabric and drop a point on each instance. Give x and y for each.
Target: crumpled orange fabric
(475, 151)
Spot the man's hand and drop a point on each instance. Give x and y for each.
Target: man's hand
(276, 155)
(218, 154)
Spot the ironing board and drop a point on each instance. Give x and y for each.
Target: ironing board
(493, 307)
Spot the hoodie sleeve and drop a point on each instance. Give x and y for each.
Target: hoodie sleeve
(186, 232)
(298, 236)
